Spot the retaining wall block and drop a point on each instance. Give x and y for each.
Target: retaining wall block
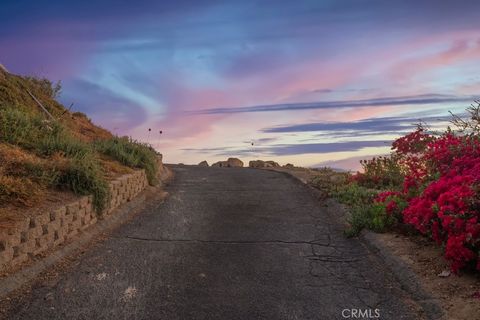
(58, 236)
(67, 219)
(6, 256)
(83, 202)
(73, 208)
(89, 210)
(14, 239)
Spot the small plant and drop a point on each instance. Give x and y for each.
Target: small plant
(328, 180)
(20, 128)
(58, 140)
(45, 86)
(380, 172)
(365, 212)
(84, 176)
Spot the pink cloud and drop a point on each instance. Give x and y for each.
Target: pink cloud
(458, 52)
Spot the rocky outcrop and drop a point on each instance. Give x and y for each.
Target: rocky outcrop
(234, 162)
(256, 164)
(263, 164)
(220, 164)
(289, 166)
(230, 163)
(203, 164)
(272, 164)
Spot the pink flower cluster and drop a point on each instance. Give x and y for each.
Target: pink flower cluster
(442, 190)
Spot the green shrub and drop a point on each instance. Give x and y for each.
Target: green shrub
(20, 128)
(41, 174)
(383, 172)
(84, 176)
(30, 131)
(58, 140)
(131, 153)
(364, 212)
(355, 195)
(372, 217)
(328, 180)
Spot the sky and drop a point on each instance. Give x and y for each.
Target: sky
(306, 82)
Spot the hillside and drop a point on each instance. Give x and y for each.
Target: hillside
(46, 156)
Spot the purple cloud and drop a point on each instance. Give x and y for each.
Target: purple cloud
(367, 126)
(378, 102)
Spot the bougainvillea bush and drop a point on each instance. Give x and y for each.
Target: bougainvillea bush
(436, 187)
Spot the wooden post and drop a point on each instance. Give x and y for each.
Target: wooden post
(41, 105)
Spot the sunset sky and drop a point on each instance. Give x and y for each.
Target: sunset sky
(308, 82)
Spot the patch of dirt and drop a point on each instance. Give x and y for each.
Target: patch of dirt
(50, 200)
(458, 294)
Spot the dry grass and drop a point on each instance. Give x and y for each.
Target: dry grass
(18, 190)
(83, 128)
(7, 218)
(13, 93)
(113, 168)
(18, 184)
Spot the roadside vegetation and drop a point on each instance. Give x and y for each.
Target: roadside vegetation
(131, 153)
(429, 184)
(57, 149)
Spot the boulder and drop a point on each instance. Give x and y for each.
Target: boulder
(203, 164)
(231, 162)
(234, 162)
(272, 164)
(222, 164)
(263, 164)
(256, 164)
(289, 166)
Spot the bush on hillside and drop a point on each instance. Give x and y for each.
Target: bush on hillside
(45, 86)
(380, 172)
(84, 176)
(131, 153)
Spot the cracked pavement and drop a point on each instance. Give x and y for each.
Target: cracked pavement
(228, 243)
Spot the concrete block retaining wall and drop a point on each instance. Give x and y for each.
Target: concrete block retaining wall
(35, 235)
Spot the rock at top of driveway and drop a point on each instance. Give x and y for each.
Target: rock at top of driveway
(230, 163)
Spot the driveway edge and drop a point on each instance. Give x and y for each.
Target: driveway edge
(405, 275)
(407, 278)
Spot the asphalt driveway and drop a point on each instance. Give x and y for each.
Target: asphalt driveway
(227, 244)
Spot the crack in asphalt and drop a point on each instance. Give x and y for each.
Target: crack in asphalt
(226, 241)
